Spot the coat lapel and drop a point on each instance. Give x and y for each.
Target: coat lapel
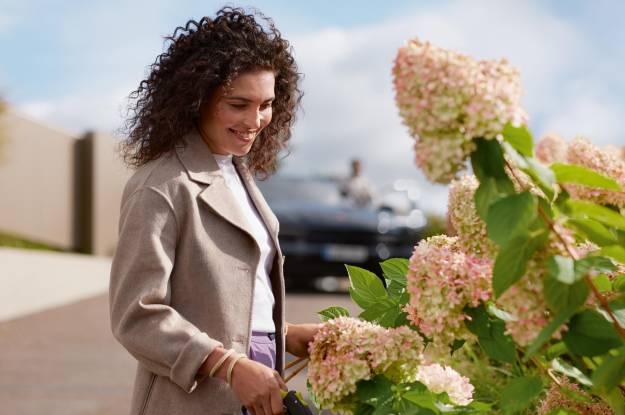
(202, 168)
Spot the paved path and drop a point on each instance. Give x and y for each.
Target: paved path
(64, 361)
(33, 281)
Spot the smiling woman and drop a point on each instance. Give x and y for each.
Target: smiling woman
(197, 282)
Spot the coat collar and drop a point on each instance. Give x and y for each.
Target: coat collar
(201, 167)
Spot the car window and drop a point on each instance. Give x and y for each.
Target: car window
(285, 190)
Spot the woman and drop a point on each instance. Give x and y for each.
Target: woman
(197, 291)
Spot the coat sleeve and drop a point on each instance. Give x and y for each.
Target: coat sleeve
(142, 319)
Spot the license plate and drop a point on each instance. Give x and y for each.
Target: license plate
(347, 253)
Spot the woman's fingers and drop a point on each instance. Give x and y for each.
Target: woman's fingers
(276, 403)
(280, 381)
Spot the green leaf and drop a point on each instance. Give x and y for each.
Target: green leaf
(603, 283)
(511, 262)
(616, 252)
(384, 313)
(487, 161)
(542, 176)
(397, 291)
(618, 310)
(593, 231)
(395, 269)
(457, 344)
(547, 331)
(333, 312)
(422, 400)
(494, 311)
(510, 215)
(593, 264)
(581, 209)
(569, 370)
(491, 335)
(610, 372)
(486, 194)
(410, 408)
(562, 269)
(560, 296)
(571, 173)
(376, 391)
(615, 399)
(618, 284)
(520, 393)
(366, 288)
(520, 138)
(590, 334)
(478, 323)
(556, 350)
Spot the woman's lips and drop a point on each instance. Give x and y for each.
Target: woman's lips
(247, 136)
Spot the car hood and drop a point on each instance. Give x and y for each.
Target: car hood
(323, 216)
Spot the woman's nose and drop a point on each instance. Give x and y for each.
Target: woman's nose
(253, 120)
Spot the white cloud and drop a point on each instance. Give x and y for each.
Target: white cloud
(87, 110)
(584, 109)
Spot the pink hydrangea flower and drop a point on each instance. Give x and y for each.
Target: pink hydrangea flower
(556, 398)
(584, 153)
(347, 350)
(447, 99)
(442, 280)
(464, 220)
(439, 379)
(551, 149)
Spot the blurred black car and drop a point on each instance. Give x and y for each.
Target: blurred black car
(320, 231)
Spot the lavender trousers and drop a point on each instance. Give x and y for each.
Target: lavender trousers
(262, 350)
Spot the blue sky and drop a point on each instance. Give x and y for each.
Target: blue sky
(72, 63)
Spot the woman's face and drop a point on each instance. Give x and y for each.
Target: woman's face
(232, 118)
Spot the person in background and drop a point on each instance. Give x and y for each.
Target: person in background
(356, 188)
(197, 286)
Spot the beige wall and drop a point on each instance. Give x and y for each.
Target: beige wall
(59, 188)
(36, 181)
(109, 177)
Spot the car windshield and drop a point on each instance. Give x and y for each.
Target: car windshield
(282, 190)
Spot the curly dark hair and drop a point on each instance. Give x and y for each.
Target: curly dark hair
(202, 56)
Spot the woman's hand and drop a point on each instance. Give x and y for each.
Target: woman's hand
(258, 387)
(298, 337)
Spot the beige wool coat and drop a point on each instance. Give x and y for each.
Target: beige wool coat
(182, 279)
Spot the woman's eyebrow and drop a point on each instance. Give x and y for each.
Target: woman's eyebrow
(247, 99)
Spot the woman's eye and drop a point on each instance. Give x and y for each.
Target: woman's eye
(238, 106)
(265, 106)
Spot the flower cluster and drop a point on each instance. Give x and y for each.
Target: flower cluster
(608, 161)
(583, 152)
(442, 280)
(439, 379)
(557, 398)
(347, 350)
(551, 148)
(464, 220)
(447, 99)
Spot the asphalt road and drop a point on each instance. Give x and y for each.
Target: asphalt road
(64, 361)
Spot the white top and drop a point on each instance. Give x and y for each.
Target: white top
(262, 309)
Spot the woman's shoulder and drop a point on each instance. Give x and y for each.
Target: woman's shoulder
(164, 174)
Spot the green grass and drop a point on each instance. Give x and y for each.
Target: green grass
(13, 241)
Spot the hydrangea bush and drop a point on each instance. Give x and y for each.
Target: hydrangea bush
(522, 308)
